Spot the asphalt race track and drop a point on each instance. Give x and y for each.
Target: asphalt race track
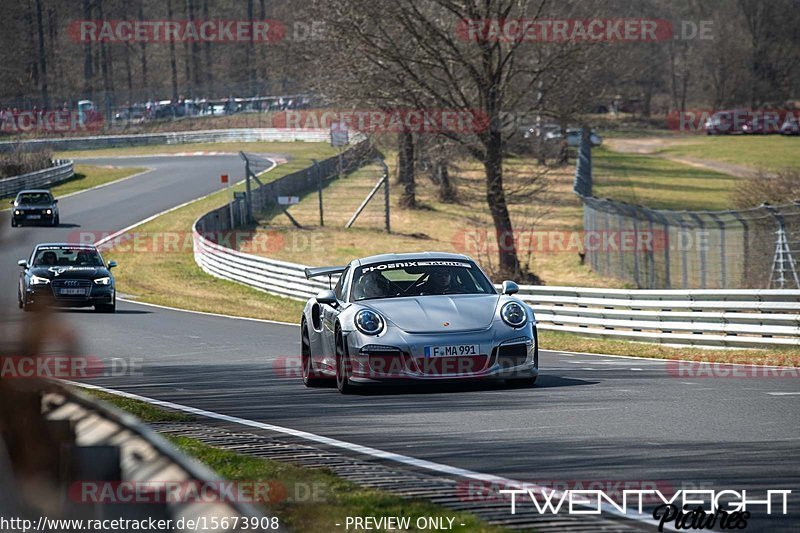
(589, 418)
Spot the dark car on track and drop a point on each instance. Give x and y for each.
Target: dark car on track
(66, 275)
(34, 206)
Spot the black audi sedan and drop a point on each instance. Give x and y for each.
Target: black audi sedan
(66, 275)
(34, 206)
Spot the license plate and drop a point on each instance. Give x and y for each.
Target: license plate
(452, 350)
(72, 292)
(33, 217)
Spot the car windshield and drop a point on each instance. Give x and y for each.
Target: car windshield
(67, 257)
(31, 198)
(419, 278)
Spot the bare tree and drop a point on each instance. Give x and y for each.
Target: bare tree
(411, 51)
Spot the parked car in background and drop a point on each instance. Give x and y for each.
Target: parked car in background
(791, 125)
(573, 137)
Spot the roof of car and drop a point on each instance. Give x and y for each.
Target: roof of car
(65, 245)
(37, 191)
(417, 256)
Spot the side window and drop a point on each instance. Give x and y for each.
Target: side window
(338, 290)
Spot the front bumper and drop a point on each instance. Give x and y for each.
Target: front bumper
(45, 219)
(513, 355)
(45, 295)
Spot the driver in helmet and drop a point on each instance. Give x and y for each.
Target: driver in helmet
(372, 285)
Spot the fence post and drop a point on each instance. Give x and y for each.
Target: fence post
(386, 205)
(249, 198)
(319, 192)
(701, 250)
(722, 268)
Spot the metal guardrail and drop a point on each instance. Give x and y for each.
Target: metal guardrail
(60, 171)
(734, 318)
(106, 464)
(183, 137)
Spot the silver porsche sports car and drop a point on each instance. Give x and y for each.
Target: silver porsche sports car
(415, 317)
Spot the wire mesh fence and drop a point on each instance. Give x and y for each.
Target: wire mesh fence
(346, 191)
(656, 248)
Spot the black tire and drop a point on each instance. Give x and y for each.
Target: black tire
(311, 378)
(19, 300)
(343, 367)
(56, 221)
(107, 308)
(27, 306)
(13, 223)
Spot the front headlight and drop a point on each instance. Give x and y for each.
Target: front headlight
(36, 280)
(369, 322)
(48, 212)
(514, 315)
(103, 281)
(17, 212)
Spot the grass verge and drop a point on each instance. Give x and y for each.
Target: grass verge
(88, 176)
(304, 499)
(145, 412)
(570, 342)
(659, 183)
(769, 152)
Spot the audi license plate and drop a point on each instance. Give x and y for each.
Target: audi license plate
(33, 217)
(72, 292)
(452, 350)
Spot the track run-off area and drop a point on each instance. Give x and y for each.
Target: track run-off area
(589, 418)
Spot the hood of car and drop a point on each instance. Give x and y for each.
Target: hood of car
(59, 272)
(438, 314)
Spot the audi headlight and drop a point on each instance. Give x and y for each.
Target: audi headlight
(369, 322)
(36, 280)
(48, 212)
(103, 281)
(514, 315)
(17, 212)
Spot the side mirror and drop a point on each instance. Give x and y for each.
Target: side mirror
(327, 297)
(23, 263)
(112, 264)
(509, 287)
(55, 201)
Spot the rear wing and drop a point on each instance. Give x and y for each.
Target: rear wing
(323, 271)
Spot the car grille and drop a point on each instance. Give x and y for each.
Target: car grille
(446, 366)
(512, 355)
(71, 285)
